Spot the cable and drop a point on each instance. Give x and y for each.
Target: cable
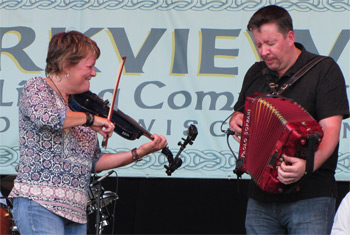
(229, 132)
(229, 146)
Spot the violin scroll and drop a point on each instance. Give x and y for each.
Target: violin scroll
(177, 162)
(192, 133)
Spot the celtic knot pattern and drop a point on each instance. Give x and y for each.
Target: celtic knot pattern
(343, 163)
(9, 157)
(178, 5)
(193, 159)
(211, 160)
(208, 160)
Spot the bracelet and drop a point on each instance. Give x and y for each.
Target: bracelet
(135, 156)
(89, 119)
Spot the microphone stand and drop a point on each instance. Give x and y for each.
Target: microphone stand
(98, 208)
(96, 186)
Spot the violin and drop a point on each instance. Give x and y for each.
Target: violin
(125, 126)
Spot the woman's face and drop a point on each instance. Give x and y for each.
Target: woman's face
(80, 75)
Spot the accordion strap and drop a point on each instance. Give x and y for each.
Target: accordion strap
(311, 153)
(309, 162)
(296, 76)
(300, 73)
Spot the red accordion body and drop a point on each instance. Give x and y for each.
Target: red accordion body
(272, 126)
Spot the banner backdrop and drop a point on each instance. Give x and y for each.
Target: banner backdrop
(185, 64)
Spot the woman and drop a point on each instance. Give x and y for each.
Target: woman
(59, 148)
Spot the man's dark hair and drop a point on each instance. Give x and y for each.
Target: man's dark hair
(271, 14)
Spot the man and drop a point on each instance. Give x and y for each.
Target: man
(322, 92)
(341, 223)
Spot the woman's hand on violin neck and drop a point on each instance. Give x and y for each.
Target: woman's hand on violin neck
(113, 160)
(103, 126)
(158, 142)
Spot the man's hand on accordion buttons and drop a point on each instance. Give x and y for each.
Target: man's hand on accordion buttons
(291, 170)
(236, 122)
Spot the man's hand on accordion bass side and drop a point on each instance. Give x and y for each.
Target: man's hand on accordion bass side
(291, 170)
(236, 122)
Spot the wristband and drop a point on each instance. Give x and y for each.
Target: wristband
(89, 119)
(135, 156)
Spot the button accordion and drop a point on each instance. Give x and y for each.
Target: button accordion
(273, 126)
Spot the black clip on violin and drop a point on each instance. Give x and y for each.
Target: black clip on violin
(125, 126)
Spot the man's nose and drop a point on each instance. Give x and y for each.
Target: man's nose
(265, 50)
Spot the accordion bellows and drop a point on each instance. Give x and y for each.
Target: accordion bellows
(272, 126)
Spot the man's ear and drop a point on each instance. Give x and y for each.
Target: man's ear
(291, 37)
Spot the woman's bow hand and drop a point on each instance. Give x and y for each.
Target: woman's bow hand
(103, 126)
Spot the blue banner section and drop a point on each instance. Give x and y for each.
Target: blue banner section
(185, 65)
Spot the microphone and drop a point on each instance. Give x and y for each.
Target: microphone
(101, 178)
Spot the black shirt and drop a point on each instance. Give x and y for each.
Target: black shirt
(322, 92)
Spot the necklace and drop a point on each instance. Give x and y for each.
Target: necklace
(66, 102)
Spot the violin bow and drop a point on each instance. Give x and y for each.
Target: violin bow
(110, 113)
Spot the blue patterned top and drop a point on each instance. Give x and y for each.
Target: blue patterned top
(55, 164)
